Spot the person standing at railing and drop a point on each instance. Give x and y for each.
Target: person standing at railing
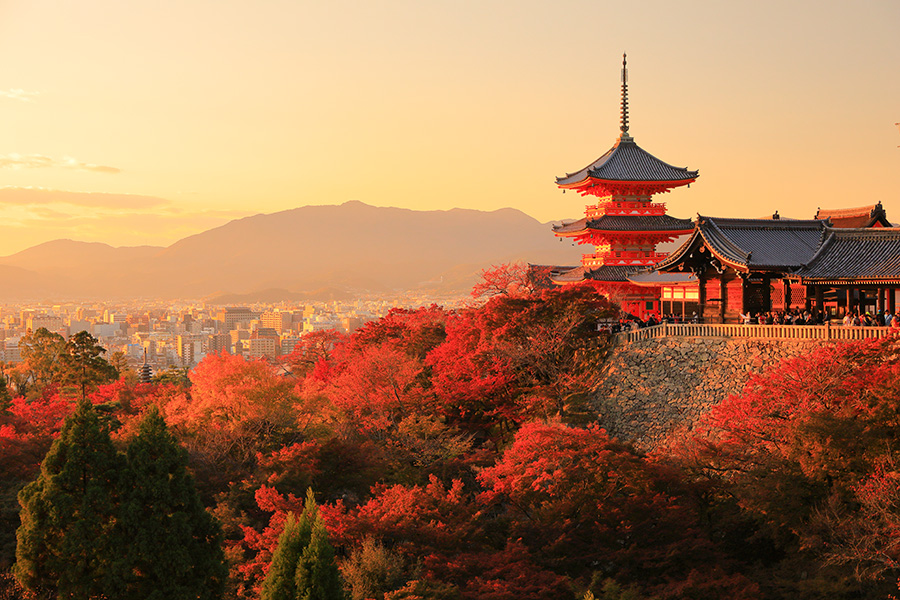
(895, 322)
(888, 319)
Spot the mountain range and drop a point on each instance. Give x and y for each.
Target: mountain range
(350, 248)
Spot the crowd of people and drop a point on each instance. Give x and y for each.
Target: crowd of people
(630, 322)
(805, 317)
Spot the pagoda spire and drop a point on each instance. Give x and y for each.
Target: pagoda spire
(624, 126)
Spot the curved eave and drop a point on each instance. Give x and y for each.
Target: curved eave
(856, 281)
(679, 254)
(626, 232)
(582, 185)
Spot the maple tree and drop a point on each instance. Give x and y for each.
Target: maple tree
(509, 279)
(805, 457)
(235, 408)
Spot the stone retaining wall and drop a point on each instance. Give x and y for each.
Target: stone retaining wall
(652, 387)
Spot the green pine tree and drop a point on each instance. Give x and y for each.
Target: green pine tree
(280, 581)
(82, 366)
(5, 398)
(317, 575)
(64, 547)
(303, 565)
(172, 545)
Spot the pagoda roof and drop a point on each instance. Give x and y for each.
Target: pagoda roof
(863, 216)
(628, 162)
(855, 255)
(626, 223)
(613, 273)
(567, 274)
(752, 244)
(607, 273)
(654, 278)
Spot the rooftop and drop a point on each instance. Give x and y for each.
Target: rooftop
(855, 255)
(626, 161)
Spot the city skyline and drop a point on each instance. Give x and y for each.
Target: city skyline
(133, 125)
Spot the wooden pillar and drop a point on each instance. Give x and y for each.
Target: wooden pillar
(892, 300)
(849, 292)
(879, 302)
(701, 297)
(820, 299)
(787, 294)
(744, 288)
(723, 297)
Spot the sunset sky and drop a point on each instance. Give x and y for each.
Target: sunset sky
(142, 122)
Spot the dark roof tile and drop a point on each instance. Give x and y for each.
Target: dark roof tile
(855, 255)
(626, 161)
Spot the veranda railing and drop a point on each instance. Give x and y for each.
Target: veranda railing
(768, 332)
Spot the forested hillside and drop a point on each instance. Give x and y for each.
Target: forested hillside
(452, 455)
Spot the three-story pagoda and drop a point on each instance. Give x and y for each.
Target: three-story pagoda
(624, 225)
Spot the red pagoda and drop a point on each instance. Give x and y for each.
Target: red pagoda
(624, 225)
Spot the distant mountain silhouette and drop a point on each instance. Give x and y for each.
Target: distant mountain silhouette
(353, 247)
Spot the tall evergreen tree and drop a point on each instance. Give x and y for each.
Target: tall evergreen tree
(82, 365)
(172, 545)
(280, 582)
(64, 545)
(317, 575)
(5, 398)
(303, 565)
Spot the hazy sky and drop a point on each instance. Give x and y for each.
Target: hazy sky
(142, 122)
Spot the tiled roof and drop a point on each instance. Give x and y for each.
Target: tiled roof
(755, 243)
(610, 273)
(626, 161)
(567, 274)
(856, 254)
(627, 223)
(863, 216)
(763, 243)
(573, 227)
(605, 273)
(640, 223)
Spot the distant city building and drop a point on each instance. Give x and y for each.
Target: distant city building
(49, 323)
(11, 353)
(266, 333)
(279, 321)
(288, 344)
(231, 316)
(263, 346)
(219, 342)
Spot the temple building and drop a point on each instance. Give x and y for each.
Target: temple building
(864, 216)
(625, 224)
(762, 265)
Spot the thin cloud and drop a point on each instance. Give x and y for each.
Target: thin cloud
(42, 212)
(40, 161)
(24, 196)
(18, 94)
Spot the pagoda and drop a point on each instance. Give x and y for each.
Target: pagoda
(625, 224)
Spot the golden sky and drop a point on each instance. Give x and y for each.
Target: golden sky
(142, 122)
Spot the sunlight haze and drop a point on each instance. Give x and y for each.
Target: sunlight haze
(141, 123)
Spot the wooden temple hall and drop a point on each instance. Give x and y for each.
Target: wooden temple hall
(735, 266)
